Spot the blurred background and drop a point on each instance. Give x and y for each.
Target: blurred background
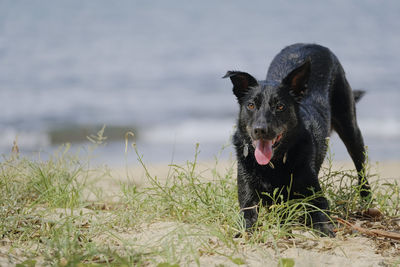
(155, 67)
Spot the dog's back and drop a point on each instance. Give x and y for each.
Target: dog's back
(328, 103)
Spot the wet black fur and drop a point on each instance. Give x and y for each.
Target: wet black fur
(305, 96)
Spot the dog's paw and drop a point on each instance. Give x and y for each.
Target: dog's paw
(325, 229)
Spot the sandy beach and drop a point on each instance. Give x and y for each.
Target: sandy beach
(348, 248)
(344, 250)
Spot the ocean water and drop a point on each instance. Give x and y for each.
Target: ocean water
(154, 67)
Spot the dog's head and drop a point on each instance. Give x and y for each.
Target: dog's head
(268, 109)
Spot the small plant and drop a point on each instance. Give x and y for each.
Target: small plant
(27, 186)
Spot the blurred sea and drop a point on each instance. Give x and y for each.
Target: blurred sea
(155, 67)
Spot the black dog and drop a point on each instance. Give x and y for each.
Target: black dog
(283, 125)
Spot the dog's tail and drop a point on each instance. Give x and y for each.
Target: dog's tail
(358, 94)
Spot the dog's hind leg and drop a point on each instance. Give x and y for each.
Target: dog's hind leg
(344, 122)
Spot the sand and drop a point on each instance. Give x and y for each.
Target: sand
(343, 250)
(348, 250)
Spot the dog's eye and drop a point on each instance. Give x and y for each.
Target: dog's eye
(280, 107)
(251, 106)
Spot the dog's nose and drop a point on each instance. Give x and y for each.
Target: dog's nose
(259, 132)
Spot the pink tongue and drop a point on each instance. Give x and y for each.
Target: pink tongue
(263, 151)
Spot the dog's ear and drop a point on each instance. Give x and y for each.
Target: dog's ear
(242, 82)
(297, 80)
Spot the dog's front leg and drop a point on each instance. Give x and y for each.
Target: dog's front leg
(250, 214)
(248, 201)
(320, 220)
(309, 187)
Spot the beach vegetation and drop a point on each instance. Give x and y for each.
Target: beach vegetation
(185, 218)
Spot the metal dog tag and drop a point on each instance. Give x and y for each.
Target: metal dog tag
(246, 150)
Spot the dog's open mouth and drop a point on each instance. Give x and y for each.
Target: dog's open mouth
(264, 149)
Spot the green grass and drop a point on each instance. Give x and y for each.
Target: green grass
(47, 219)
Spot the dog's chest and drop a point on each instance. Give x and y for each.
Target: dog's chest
(277, 176)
